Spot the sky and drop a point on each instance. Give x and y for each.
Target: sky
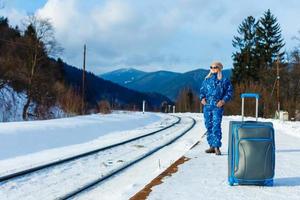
(174, 35)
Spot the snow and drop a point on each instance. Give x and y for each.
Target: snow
(48, 185)
(127, 183)
(11, 104)
(20, 138)
(204, 176)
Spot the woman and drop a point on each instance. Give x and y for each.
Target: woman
(215, 92)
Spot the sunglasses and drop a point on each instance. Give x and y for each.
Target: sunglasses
(214, 67)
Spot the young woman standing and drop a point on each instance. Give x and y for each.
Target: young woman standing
(215, 92)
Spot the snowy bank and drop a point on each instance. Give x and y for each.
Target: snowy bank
(21, 138)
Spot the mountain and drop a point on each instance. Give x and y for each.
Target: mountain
(167, 83)
(98, 89)
(123, 76)
(140, 80)
(152, 81)
(192, 79)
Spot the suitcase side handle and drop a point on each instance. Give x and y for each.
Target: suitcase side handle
(250, 95)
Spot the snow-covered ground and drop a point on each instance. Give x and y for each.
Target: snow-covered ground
(11, 104)
(55, 182)
(126, 184)
(202, 177)
(21, 138)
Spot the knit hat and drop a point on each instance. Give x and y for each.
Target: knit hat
(217, 64)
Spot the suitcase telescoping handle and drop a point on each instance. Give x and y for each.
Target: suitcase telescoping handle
(249, 95)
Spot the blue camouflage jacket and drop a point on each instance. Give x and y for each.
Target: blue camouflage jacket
(214, 90)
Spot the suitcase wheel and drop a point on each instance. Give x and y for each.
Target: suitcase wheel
(230, 181)
(269, 183)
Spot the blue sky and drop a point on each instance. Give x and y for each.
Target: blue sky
(175, 35)
(29, 6)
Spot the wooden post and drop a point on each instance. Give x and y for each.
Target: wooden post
(83, 82)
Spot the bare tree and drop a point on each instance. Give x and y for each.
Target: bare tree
(297, 38)
(187, 101)
(39, 42)
(45, 33)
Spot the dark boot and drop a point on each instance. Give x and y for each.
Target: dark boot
(217, 151)
(210, 150)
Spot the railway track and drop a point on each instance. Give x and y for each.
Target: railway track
(133, 150)
(75, 157)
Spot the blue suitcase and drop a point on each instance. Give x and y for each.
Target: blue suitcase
(251, 150)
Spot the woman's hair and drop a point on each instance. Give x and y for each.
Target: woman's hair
(220, 66)
(220, 75)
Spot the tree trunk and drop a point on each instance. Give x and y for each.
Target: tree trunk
(25, 109)
(30, 82)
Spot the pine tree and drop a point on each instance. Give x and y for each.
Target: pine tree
(3, 22)
(259, 44)
(245, 59)
(270, 41)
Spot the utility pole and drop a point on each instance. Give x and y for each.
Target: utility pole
(278, 86)
(83, 82)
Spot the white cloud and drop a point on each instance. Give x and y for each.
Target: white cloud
(119, 31)
(14, 16)
(110, 16)
(165, 34)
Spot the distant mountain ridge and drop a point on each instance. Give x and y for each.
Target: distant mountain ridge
(152, 81)
(123, 75)
(99, 89)
(164, 82)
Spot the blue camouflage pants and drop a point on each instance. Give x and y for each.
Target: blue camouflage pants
(213, 118)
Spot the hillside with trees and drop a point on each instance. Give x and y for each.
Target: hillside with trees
(258, 58)
(49, 86)
(119, 97)
(167, 83)
(25, 66)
